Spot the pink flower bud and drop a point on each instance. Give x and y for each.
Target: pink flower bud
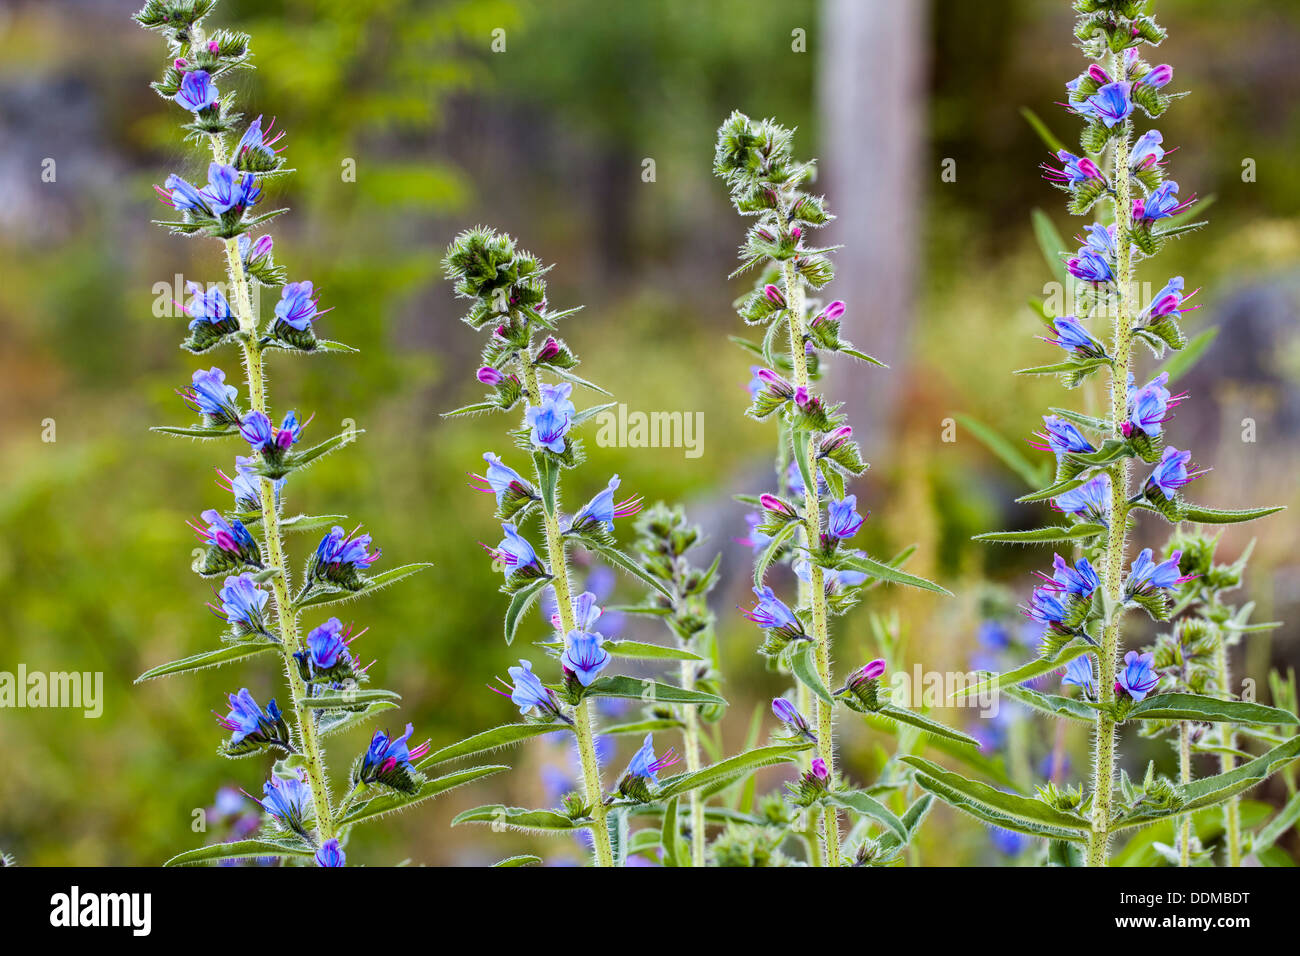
(489, 376)
(774, 294)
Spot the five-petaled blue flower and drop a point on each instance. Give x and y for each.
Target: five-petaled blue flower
(771, 613)
(1079, 673)
(341, 557)
(1081, 579)
(296, 307)
(551, 418)
(584, 653)
(529, 693)
(514, 553)
(230, 537)
(209, 307)
(1074, 338)
(388, 760)
(1138, 676)
(229, 190)
(1061, 437)
(1091, 500)
(1170, 473)
(502, 480)
(1090, 266)
(1147, 151)
(1162, 203)
(842, 520)
(645, 765)
(247, 719)
(1148, 407)
(255, 147)
(288, 800)
(243, 603)
(197, 91)
(330, 854)
(208, 394)
(1146, 575)
(602, 510)
(1111, 104)
(263, 437)
(327, 646)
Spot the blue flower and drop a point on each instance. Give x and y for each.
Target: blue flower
(197, 91)
(263, 437)
(1148, 407)
(1170, 473)
(514, 553)
(327, 648)
(255, 147)
(842, 520)
(645, 765)
(789, 715)
(503, 481)
(1147, 151)
(529, 693)
(341, 558)
(1074, 169)
(1080, 580)
(1079, 673)
(181, 194)
(1145, 575)
(1161, 204)
(1101, 240)
(1158, 76)
(1090, 266)
(1138, 676)
(246, 486)
(246, 719)
(209, 307)
(1047, 607)
(1091, 500)
(288, 800)
(229, 190)
(1061, 437)
(296, 308)
(330, 854)
(208, 394)
(1110, 104)
(229, 537)
(388, 760)
(771, 613)
(551, 418)
(756, 539)
(1074, 338)
(243, 603)
(601, 510)
(584, 655)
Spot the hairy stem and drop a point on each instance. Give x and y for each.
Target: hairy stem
(273, 541)
(794, 295)
(691, 744)
(1103, 773)
(1231, 809)
(582, 717)
(1185, 776)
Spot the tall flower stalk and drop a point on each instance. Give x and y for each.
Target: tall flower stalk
(810, 518)
(244, 543)
(1082, 602)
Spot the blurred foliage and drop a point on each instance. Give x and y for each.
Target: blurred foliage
(546, 139)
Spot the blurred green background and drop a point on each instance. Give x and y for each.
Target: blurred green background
(548, 140)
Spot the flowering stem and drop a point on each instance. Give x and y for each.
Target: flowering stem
(1231, 809)
(582, 713)
(794, 295)
(1104, 739)
(691, 744)
(1185, 776)
(286, 614)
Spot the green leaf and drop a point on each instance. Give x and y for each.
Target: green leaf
(884, 572)
(576, 379)
(912, 820)
(928, 724)
(868, 806)
(1064, 368)
(349, 698)
(675, 853)
(220, 431)
(804, 667)
(374, 583)
(1203, 515)
(478, 408)
(520, 601)
(861, 356)
(1034, 668)
(622, 561)
(769, 552)
(1049, 241)
(1007, 810)
(639, 650)
(642, 727)
(1181, 362)
(519, 818)
(1210, 709)
(1011, 456)
(1053, 704)
(392, 802)
(1276, 828)
(1084, 529)
(238, 850)
(526, 859)
(504, 736)
(650, 691)
(303, 458)
(1051, 491)
(548, 478)
(310, 522)
(592, 412)
(1039, 127)
(214, 658)
(728, 771)
(336, 723)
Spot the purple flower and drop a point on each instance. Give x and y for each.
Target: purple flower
(327, 646)
(263, 437)
(756, 539)
(1162, 203)
(1148, 407)
(770, 613)
(246, 720)
(1047, 608)
(209, 307)
(1158, 76)
(1079, 673)
(388, 760)
(255, 252)
(584, 654)
(1091, 500)
(208, 394)
(789, 715)
(1170, 473)
(1111, 104)
(229, 537)
(1075, 169)
(1061, 437)
(528, 692)
(551, 418)
(1137, 677)
(645, 765)
(229, 190)
(1101, 240)
(1074, 338)
(341, 558)
(842, 520)
(503, 481)
(246, 486)
(243, 603)
(181, 194)
(330, 854)
(1080, 580)
(256, 146)
(1169, 300)
(1089, 266)
(1145, 575)
(601, 510)
(288, 800)
(296, 308)
(1147, 151)
(197, 91)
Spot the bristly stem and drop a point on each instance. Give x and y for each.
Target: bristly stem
(582, 717)
(691, 744)
(1231, 809)
(1103, 776)
(286, 613)
(794, 295)
(1185, 777)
